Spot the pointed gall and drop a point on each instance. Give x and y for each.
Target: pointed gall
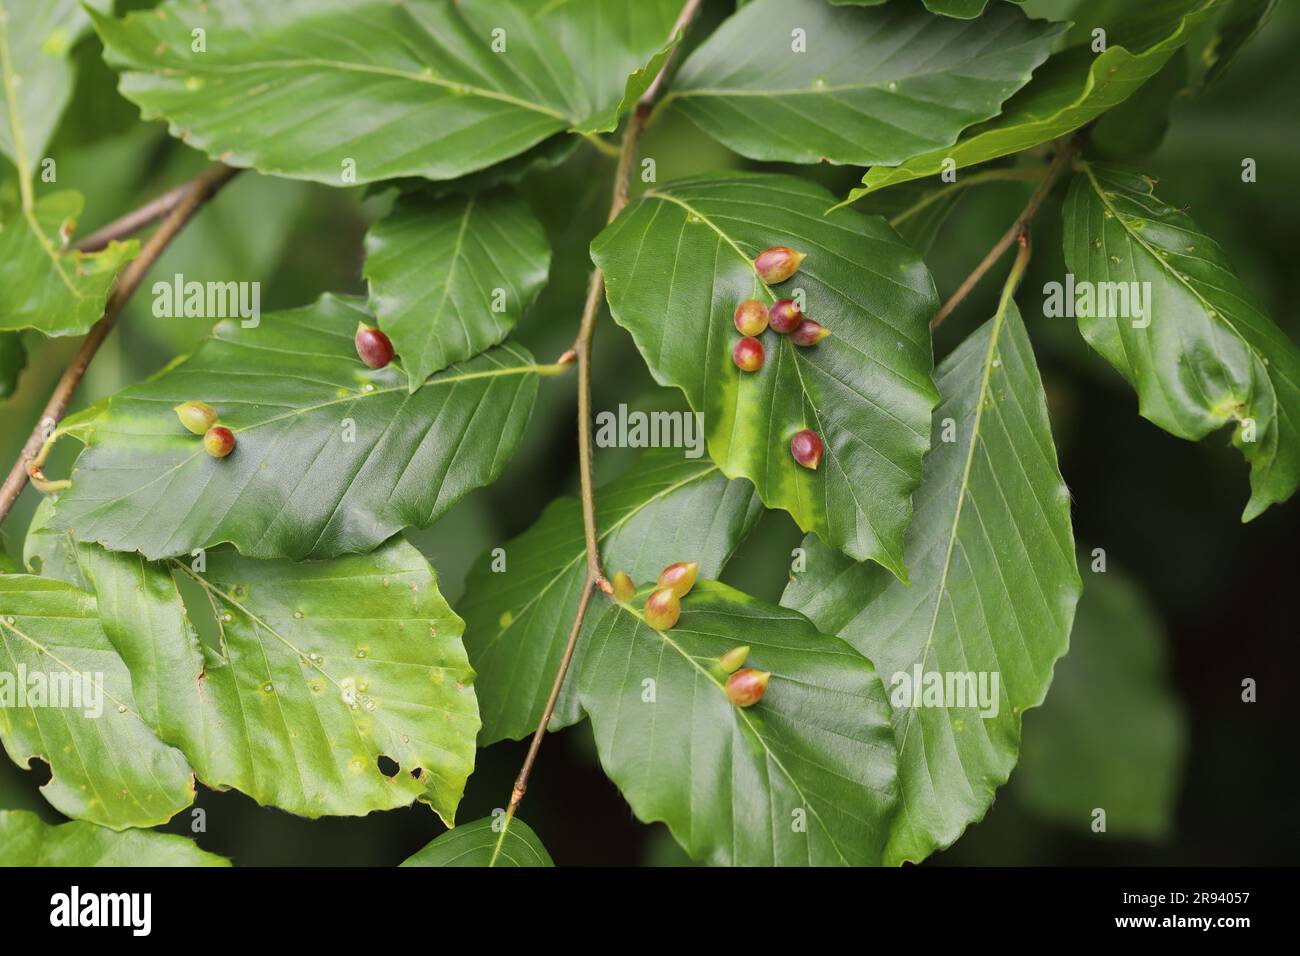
(219, 441)
(662, 609)
(731, 661)
(746, 687)
(623, 587)
(809, 332)
(751, 317)
(373, 346)
(806, 447)
(679, 577)
(785, 316)
(748, 355)
(197, 417)
(777, 263)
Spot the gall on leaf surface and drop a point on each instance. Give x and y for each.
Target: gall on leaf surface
(27, 840)
(106, 765)
(666, 508)
(331, 457)
(1205, 355)
(677, 262)
(397, 89)
(480, 844)
(872, 86)
(318, 669)
(994, 585)
(805, 777)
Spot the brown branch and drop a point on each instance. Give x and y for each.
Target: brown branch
(581, 350)
(197, 192)
(1065, 154)
(135, 220)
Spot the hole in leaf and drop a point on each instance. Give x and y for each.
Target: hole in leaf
(388, 766)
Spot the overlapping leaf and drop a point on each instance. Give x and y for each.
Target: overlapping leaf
(666, 509)
(106, 765)
(431, 88)
(962, 9)
(1203, 355)
(26, 840)
(804, 777)
(479, 844)
(994, 585)
(46, 285)
(617, 48)
(872, 86)
(322, 668)
(1072, 88)
(43, 284)
(450, 277)
(330, 457)
(1241, 21)
(677, 262)
(1078, 756)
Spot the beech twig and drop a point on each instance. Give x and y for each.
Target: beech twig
(1018, 228)
(180, 209)
(581, 350)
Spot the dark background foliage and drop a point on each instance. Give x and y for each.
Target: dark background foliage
(1166, 512)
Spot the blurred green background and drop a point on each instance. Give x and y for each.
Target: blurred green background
(1145, 718)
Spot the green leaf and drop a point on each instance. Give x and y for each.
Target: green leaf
(962, 9)
(1072, 88)
(26, 840)
(1077, 755)
(477, 844)
(420, 88)
(451, 277)
(46, 285)
(667, 508)
(321, 668)
(293, 391)
(677, 262)
(994, 585)
(1138, 125)
(106, 765)
(1241, 21)
(804, 777)
(13, 359)
(873, 86)
(617, 48)
(1204, 354)
(37, 74)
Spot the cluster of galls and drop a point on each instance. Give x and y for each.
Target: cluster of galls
(201, 419)
(752, 317)
(744, 686)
